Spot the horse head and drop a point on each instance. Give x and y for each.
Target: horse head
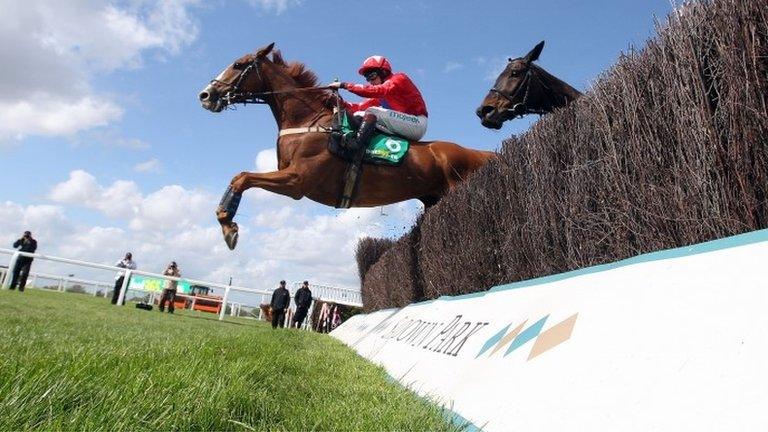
(523, 88)
(240, 82)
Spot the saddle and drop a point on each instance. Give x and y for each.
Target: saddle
(382, 149)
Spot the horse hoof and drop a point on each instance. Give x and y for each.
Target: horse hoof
(231, 240)
(230, 232)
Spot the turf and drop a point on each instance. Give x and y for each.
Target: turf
(74, 362)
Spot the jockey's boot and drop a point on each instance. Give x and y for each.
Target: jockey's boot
(364, 134)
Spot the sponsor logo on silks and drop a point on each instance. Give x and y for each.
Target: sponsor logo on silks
(519, 335)
(405, 117)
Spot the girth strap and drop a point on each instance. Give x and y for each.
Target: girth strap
(306, 129)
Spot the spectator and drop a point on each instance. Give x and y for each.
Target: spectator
(23, 263)
(126, 263)
(169, 293)
(281, 299)
(303, 300)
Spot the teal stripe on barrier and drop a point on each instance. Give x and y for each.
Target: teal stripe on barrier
(449, 415)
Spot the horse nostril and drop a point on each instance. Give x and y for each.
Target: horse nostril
(484, 110)
(204, 95)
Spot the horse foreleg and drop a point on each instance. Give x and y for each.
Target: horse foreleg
(284, 182)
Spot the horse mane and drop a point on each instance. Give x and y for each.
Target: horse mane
(303, 77)
(554, 81)
(296, 70)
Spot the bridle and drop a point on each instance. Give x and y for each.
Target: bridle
(519, 109)
(236, 96)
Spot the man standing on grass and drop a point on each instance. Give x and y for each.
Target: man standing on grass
(23, 263)
(303, 300)
(169, 292)
(126, 263)
(281, 299)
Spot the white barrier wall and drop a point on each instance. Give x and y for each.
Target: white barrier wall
(670, 341)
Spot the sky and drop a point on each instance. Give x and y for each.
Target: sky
(105, 148)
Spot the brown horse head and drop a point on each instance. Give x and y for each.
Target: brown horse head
(235, 83)
(524, 88)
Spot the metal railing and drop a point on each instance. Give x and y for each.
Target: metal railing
(321, 292)
(128, 272)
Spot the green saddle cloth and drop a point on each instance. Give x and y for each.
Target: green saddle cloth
(382, 149)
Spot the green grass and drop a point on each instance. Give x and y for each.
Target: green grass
(74, 362)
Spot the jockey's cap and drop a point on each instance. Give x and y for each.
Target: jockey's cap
(375, 62)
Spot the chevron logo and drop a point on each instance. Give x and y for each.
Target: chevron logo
(521, 334)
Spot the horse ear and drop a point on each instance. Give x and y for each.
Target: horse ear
(534, 54)
(261, 52)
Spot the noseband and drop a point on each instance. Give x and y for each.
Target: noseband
(519, 109)
(234, 95)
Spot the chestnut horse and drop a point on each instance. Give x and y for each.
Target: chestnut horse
(524, 88)
(304, 113)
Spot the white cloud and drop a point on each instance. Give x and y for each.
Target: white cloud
(121, 199)
(266, 161)
(452, 66)
(168, 207)
(278, 6)
(151, 165)
(41, 220)
(172, 207)
(52, 50)
(55, 117)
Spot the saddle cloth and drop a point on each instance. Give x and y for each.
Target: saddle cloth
(382, 149)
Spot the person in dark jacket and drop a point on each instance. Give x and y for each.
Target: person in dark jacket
(281, 299)
(23, 263)
(303, 299)
(126, 263)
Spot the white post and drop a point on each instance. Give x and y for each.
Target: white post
(34, 281)
(308, 319)
(124, 288)
(224, 304)
(9, 273)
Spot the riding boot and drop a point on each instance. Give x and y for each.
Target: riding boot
(364, 134)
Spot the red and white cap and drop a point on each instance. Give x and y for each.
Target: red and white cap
(375, 62)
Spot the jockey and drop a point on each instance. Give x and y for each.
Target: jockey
(394, 104)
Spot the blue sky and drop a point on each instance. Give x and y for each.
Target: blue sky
(105, 147)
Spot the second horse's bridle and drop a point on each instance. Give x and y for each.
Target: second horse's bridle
(520, 109)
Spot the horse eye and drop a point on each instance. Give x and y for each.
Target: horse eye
(238, 66)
